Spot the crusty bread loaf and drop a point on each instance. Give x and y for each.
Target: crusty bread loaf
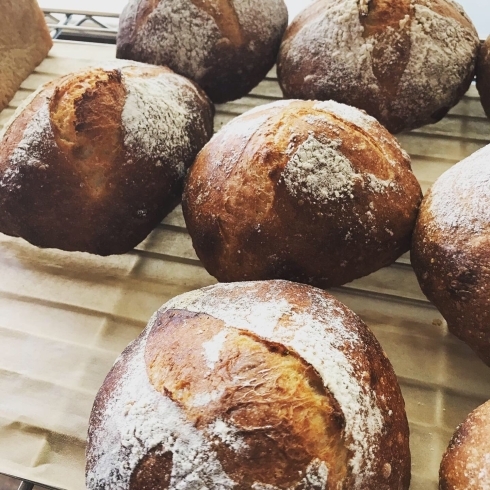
(483, 76)
(24, 43)
(226, 46)
(466, 462)
(313, 192)
(405, 62)
(266, 385)
(451, 246)
(96, 159)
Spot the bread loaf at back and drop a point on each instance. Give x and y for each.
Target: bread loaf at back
(226, 46)
(24, 43)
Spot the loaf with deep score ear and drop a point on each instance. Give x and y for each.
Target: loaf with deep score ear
(266, 385)
(93, 161)
(313, 192)
(466, 462)
(405, 62)
(226, 46)
(451, 246)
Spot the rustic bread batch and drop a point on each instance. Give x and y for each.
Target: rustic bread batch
(253, 385)
(267, 385)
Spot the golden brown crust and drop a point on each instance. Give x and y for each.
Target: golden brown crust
(466, 462)
(483, 76)
(69, 179)
(255, 211)
(264, 412)
(227, 49)
(450, 249)
(280, 409)
(381, 56)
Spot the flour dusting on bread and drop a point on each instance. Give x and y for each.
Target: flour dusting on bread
(156, 119)
(320, 336)
(459, 199)
(137, 419)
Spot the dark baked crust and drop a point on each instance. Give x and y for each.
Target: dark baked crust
(451, 258)
(400, 83)
(76, 185)
(238, 55)
(466, 462)
(483, 76)
(285, 421)
(247, 224)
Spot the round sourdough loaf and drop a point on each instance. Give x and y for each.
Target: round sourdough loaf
(94, 160)
(466, 462)
(226, 46)
(483, 76)
(405, 62)
(451, 247)
(266, 386)
(313, 192)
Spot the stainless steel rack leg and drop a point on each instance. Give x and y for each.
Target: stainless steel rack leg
(24, 485)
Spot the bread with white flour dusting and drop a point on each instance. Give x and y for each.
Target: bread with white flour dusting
(94, 160)
(226, 46)
(466, 462)
(313, 192)
(405, 62)
(266, 385)
(451, 246)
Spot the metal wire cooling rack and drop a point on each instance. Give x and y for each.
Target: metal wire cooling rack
(23, 484)
(81, 25)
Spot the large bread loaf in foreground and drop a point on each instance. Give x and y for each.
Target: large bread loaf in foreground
(266, 385)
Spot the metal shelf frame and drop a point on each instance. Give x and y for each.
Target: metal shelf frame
(82, 25)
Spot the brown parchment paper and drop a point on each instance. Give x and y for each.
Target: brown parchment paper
(65, 317)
